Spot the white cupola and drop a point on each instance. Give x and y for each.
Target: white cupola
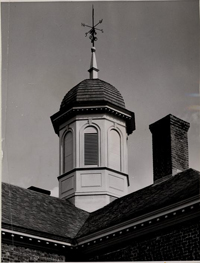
(93, 127)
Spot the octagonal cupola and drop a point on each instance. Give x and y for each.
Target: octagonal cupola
(93, 127)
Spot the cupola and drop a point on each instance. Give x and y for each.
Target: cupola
(93, 127)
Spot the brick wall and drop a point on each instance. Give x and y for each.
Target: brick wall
(178, 243)
(11, 253)
(170, 146)
(179, 148)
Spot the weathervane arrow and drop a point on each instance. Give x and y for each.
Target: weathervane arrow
(92, 32)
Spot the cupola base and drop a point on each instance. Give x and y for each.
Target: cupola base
(92, 189)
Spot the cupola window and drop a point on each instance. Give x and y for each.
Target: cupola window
(114, 150)
(68, 152)
(91, 146)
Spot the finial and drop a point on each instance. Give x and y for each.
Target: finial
(92, 32)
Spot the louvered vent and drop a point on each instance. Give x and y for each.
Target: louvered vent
(91, 148)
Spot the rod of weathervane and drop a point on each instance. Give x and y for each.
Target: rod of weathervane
(93, 25)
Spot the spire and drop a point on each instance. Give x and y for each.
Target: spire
(93, 65)
(92, 32)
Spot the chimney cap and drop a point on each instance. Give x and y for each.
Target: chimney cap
(169, 120)
(39, 190)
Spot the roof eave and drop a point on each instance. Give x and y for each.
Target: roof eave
(73, 110)
(144, 219)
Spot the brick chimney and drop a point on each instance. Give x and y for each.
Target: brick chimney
(170, 146)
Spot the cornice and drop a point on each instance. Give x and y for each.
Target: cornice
(139, 232)
(133, 228)
(33, 241)
(161, 218)
(125, 114)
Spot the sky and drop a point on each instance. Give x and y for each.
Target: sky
(149, 51)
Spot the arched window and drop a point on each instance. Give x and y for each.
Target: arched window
(91, 148)
(68, 152)
(114, 150)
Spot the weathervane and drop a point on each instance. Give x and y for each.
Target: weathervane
(93, 29)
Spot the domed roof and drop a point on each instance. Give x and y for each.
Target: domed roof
(92, 90)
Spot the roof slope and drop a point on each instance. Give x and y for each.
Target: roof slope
(180, 187)
(35, 211)
(93, 90)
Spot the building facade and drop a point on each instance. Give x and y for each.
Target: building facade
(94, 218)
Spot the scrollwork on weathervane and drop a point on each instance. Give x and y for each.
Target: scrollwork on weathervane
(92, 32)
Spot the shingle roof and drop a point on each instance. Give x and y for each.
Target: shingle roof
(179, 187)
(93, 90)
(52, 217)
(33, 211)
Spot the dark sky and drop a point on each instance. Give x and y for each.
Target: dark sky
(149, 51)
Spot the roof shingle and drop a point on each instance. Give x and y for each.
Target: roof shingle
(178, 188)
(38, 212)
(93, 90)
(53, 217)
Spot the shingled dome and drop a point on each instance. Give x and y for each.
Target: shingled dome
(93, 90)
